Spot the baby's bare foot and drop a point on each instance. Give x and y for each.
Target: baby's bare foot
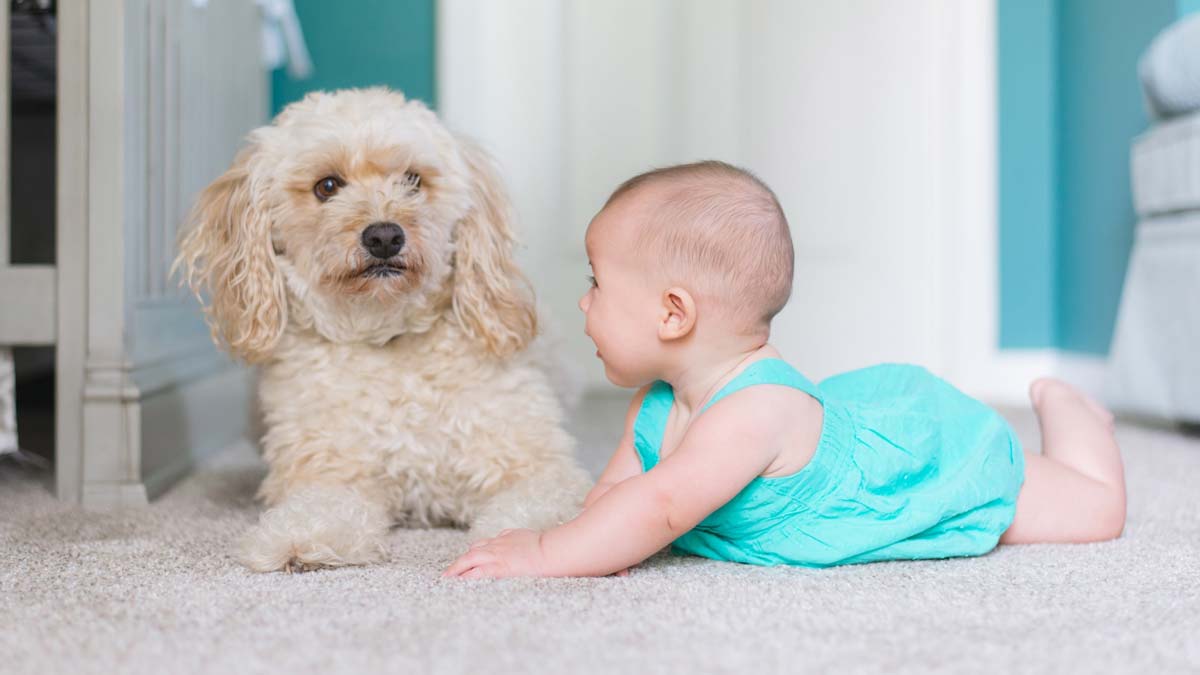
(1045, 387)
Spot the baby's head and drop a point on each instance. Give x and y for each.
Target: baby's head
(695, 253)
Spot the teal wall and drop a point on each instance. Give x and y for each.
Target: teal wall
(358, 43)
(1188, 6)
(1069, 104)
(1027, 122)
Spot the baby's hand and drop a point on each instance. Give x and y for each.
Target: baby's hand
(512, 553)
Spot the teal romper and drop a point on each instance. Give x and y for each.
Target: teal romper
(906, 467)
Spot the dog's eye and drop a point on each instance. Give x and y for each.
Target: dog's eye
(327, 187)
(412, 180)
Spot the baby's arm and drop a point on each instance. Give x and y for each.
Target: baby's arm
(724, 450)
(624, 462)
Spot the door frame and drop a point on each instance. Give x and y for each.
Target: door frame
(73, 159)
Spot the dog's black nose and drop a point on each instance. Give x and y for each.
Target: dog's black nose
(383, 240)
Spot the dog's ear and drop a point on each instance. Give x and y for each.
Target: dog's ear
(226, 249)
(492, 299)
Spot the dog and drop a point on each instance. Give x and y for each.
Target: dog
(361, 254)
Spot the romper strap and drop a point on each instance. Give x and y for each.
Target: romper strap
(651, 423)
(768, 371)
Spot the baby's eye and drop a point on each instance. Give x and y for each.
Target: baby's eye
(591, 281)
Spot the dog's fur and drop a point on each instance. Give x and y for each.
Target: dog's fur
(411, 396)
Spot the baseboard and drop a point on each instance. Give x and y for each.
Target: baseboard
(107, 496)
(158, 481)
(184, 423)
(1003, 377)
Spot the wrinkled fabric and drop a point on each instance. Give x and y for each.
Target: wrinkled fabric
(906, 467)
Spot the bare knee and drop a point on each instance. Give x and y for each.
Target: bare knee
(1109, 516)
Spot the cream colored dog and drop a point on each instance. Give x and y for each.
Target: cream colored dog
(361, 254)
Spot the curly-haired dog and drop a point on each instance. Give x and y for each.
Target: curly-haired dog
(361, 254)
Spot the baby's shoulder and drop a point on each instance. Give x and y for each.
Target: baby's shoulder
(783, 422)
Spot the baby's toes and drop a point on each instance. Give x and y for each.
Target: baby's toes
(1035, 389)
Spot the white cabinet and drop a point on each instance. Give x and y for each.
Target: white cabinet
(153, 98)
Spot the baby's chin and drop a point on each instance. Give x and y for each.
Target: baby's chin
(609, 372)
(619, 379)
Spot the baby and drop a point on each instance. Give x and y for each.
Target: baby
(730, 453)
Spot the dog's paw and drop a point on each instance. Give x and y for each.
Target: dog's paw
(297, 566)
(315, 528)
(544, 500)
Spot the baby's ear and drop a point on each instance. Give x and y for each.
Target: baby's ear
(226, 250)
(492, 299)
(678, 314)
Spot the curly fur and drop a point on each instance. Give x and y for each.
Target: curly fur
(419, 398)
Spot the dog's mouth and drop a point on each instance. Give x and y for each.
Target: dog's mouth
(383, 270)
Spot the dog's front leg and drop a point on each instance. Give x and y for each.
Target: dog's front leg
(318, 525)
(550, 496)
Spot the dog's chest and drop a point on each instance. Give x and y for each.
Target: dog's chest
(408, 414)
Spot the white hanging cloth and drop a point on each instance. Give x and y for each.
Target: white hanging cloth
(283, 39)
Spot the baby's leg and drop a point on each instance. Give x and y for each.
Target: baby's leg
(1075, 490)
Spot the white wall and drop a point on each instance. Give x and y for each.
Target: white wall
(500, 75)
(870, 119)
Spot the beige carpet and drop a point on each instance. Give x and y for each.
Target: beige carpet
(155, 591)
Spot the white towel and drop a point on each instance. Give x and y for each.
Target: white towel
(1170, 69)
